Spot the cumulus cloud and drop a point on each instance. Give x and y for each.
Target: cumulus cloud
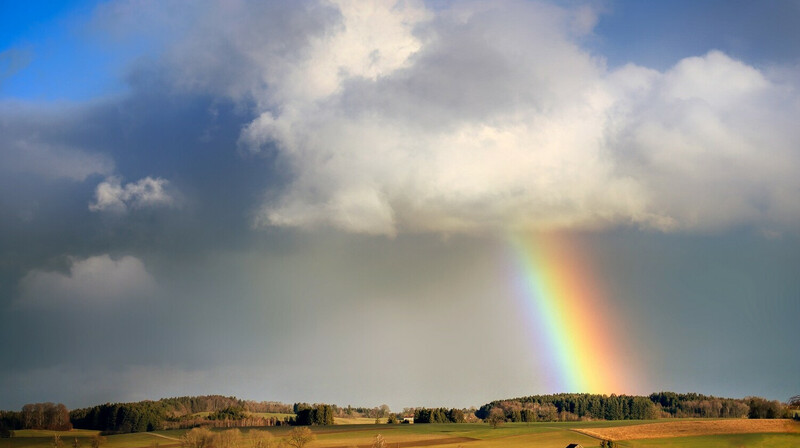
(394, 117)
(710, 142)
(111, 195)
(467, 130)
(96, 280)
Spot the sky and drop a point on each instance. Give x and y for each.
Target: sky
(335, 201)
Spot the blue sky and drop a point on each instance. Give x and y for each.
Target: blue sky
(59, 57)
(266, 190)
(51, 52)
(658, 34)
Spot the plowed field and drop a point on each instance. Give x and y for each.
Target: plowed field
(692, 428)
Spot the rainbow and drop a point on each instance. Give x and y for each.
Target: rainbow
(567, 308)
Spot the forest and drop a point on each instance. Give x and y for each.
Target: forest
(571, 407)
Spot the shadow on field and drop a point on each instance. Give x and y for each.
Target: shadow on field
(411, 443)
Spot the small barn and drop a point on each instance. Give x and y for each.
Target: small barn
(408, 419)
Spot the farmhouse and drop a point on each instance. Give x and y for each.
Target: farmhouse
(409, 419)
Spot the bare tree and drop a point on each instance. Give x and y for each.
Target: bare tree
(45, 416)
(97, 441)
(379, 442)
(198, 438)
(299, 437)
(229, 439)
(496, 417)
(262, 439)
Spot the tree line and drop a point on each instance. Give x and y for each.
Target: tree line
(351, 411)
(307, 415)
(566, 407)
(698, 405)
(438, 415)
(184, 406)
(121, 417)
(230, 412)
(762, 408)
(50, 416)
(176, 412)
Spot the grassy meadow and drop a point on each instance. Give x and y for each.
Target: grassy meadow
(477, 435)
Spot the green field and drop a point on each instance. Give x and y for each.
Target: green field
(48, 433)
(477, 435)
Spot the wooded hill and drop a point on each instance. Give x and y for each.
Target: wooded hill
(570, 407)
(145, 415)
(217, 410)
(176, 412)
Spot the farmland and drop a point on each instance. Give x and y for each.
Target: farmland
(629, 434)
(693, 428)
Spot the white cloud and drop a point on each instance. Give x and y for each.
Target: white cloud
(467, 131)
(96, 280)
(710, 143)
(393, 117)
(111, 195)
(501, 119)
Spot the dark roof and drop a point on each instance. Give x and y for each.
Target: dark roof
(574, 445)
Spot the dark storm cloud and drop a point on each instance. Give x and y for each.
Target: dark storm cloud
(47, 229)
(60, 246)
(188, 141)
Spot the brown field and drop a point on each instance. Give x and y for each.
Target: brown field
(355, 420)
(692, 428)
